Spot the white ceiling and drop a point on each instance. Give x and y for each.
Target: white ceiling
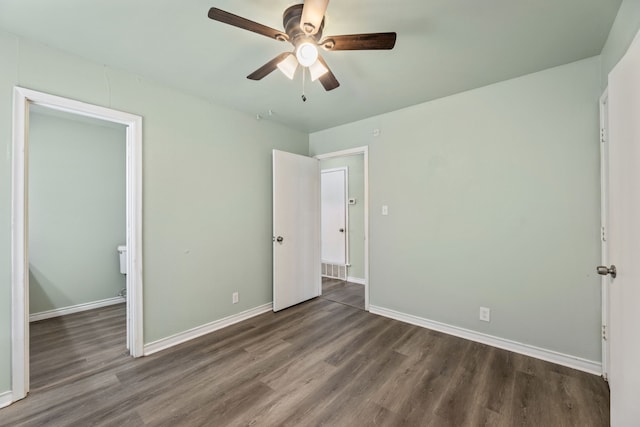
(443, 47)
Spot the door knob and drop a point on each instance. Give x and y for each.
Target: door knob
(341, 230)
(279, 239)
(603, 270)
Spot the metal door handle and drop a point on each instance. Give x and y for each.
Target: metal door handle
(341, 230)
(279, 239)
(603, 270)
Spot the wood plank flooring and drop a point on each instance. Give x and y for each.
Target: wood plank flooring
(343, 292)
(318, 363)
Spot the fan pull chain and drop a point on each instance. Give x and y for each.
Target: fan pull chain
(304, 73)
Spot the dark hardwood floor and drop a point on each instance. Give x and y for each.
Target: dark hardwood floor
(318, 363)
(343, 292)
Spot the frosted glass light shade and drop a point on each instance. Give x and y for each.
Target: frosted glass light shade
(307, 54)
(317, 69)
(288, 66)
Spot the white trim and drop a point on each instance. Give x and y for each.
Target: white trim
(364, 150)
(179, 338)
(558, 358)
(19, 276)
(357, 280)
(6, 399)
(343, 153)
(604, 215)
(22, 98)
(75, 309)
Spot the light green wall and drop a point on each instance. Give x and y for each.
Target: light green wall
(355, 165)
(206, 184)
(624, 29)
(493, 199)
(77, 210)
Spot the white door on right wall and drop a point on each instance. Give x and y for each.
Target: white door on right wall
(624, 238)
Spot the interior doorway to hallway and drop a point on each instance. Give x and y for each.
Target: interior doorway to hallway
(345, 273)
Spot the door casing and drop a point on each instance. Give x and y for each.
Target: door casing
(22, 99)
(604, 214)
(364, 150)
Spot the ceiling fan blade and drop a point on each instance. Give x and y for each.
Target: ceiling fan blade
(267, 68)
(328, 80)
(312, 15)
(240, 22)
(371, 41)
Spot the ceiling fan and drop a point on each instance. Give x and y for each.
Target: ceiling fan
(303, 25)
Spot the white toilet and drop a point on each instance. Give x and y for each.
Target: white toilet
(122, 250)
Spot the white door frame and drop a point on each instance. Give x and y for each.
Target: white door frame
(364, 150)
(22, 99)
(604, 215)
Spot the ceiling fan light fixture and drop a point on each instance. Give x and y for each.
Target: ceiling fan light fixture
(289, 66)
(312, 15)
(317, 70)
(303, 25)
(307, 54)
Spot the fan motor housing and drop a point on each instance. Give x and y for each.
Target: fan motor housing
(291, 22)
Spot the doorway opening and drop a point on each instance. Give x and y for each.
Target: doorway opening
(24, 101)
(76, 222)
(345, 247)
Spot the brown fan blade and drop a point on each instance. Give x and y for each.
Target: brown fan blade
(240, 22)
(371, 41)
(328, 80)
(267, 68)
(313, 15)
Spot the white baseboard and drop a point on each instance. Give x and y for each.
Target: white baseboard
(198, 331)
(355, 280)
(75, 309)
(574, 362)
(6, 399)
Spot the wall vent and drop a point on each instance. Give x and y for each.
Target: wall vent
(334, 271)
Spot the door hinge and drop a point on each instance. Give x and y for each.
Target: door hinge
(604, 332)
(603, 236)
(603, 135)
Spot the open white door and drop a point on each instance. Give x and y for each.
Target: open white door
(296, 229)
(624, 238)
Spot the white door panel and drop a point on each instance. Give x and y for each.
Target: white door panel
(296, 229)
(624, 238)
(334, 211)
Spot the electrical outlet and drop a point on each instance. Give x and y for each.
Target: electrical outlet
(235, 298)
(385, 210)
(485, 314)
